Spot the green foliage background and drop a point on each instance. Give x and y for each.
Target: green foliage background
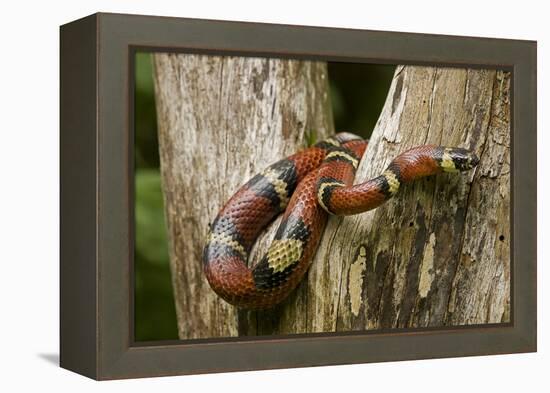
(357, 92)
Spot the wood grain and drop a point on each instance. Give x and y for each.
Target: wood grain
(437, 254)
(221, 120)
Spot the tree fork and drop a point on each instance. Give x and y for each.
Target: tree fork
(437, 254)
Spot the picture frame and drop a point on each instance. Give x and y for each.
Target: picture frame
(96, 170)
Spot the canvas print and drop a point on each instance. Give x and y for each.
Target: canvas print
(279, 196)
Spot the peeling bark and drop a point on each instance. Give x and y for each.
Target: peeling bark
(437, 254)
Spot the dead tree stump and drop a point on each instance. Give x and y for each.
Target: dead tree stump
(221, 120)
(437, 254)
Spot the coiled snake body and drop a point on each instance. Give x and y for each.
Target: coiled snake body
(306, 186)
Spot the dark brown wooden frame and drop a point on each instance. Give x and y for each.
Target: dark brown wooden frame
(97, 196)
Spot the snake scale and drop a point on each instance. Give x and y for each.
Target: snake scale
(306, 187)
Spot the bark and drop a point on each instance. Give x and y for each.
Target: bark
(221, 120)
(437, 254)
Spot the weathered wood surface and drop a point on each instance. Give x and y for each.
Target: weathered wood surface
(437, 254)
(221, 120)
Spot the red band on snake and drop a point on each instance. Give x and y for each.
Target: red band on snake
(305, 187)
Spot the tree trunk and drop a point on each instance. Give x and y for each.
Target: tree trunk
(437, 254)
(222, 120)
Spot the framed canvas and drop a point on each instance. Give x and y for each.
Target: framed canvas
(164, 119)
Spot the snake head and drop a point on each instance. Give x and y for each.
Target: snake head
(457, 159)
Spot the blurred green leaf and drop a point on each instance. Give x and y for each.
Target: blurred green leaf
(146, 141)
(155, 314)
(151, 239)
(144, 73)
(155, 317)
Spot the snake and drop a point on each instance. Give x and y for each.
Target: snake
(305, 188)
